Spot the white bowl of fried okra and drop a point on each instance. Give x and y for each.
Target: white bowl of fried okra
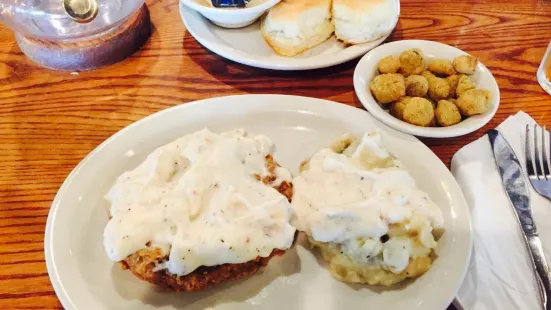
(426, 88)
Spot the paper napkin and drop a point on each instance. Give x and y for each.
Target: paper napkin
(500, 274)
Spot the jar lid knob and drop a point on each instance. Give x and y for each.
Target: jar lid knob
(81, 11)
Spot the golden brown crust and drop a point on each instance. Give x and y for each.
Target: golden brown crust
(291, 11)
(287, 51)
(274, 45)
(286, 189)
(143, 262)
(388, 87)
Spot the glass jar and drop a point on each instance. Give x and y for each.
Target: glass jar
(47, 19)
(544, 71)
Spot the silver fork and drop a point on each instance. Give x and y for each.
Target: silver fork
(539, 174)
(539, 169)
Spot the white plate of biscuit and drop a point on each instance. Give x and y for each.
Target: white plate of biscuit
(191, 199)
(300, 34)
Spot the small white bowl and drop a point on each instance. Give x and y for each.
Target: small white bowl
(366, 70)
(230, 17)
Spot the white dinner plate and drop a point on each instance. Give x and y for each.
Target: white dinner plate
(366, 70)
(84, 278)
(246, 46)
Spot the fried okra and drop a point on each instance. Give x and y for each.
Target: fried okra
(389, 64)
(388, 87)
(473, 102)
(397, 108)
(465, 83)
(438, 89)
(442, 67)
(419, 111)
(447, 113)
(453, 81)
(416, 86)
(412, 62)
(465, 64)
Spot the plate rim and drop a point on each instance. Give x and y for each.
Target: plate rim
(295, 64)
(55, 279)
(429, 132)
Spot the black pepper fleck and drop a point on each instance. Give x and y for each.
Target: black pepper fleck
(222, 240)
(385, 238)
(362, 178)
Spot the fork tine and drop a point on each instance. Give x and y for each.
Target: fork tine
(537, 161)
(546, 167)
(528, 153)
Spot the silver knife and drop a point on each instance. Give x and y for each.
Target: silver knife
(517, 190)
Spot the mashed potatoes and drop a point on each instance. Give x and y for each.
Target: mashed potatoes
(364, 212)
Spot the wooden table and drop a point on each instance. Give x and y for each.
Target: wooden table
(50, 120)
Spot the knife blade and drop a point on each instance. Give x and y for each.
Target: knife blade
(517, 190)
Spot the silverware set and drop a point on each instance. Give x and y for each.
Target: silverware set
(537, 151)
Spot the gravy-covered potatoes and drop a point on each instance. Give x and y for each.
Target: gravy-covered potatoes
(436, 92)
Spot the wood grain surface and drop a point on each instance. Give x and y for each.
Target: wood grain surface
(50, 120)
